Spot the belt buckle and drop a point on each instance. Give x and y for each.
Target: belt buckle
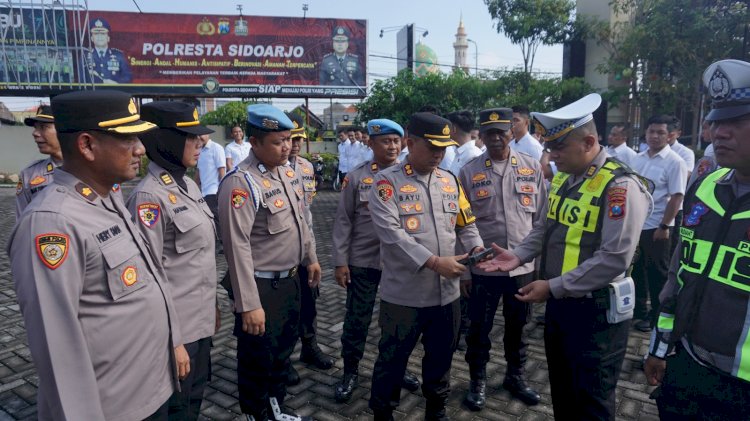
(293, 272)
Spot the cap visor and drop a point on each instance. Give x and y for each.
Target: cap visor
(501, 126)
(136, 127)
(196, 130)
(442, 143)
(30, 121)
(728, 112)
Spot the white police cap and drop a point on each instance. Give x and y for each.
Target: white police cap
(555, 125)
(728, 84)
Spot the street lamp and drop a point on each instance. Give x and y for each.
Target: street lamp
(476, 56)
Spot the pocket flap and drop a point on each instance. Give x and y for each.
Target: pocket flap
(185, 221)
(118, 252)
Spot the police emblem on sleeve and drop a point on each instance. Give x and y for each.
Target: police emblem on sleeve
(149, 214)
(616, 199)
(239, 197)
(693, 218)
(52, 248)
(385, 190)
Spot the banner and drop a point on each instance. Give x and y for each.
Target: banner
(34, 49)
(208, 55)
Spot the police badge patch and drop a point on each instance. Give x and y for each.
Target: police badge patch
(693, 218)
(385, 190)
(616, 198)
(239, 197)
(129, 276)
(52, 248)
(149, 214)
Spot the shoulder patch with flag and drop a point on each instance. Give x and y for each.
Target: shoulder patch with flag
(149, 214)
(52, 248)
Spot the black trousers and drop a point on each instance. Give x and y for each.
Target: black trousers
(186, 404)
(401, 328)
(486, 292)
(263, 361)
(212, 201)
(161, 414)
(650, 274)
(360, 300)
(584, 355)
(308, 317)
(691, 391)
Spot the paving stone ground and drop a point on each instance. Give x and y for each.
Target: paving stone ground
(314, 395)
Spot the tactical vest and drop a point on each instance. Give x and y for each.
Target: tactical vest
(574, 219)
(712, 310)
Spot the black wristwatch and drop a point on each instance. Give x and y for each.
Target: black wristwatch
(663, 226)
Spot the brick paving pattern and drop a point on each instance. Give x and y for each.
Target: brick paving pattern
(314, 395)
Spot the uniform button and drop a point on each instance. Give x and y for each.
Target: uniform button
(60, 189)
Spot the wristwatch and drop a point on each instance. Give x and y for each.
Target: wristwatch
(663, 226)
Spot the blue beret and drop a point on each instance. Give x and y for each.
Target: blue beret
(381, 126)
(269, 118)
(99, 25)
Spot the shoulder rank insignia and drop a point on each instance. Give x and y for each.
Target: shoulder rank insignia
(513, 161)
(262, 168)
(37, 180)
(408, 170)
(149, 214)
(239, 197)
(19, 187)
(374, 167)
(172, 198)
(50, 167)
(166, 178)
(591, 171)
(86, 192)
(52, 248)
(488, 163)
(115, 188)
(129, 276)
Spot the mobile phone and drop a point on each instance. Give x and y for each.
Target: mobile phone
(476, 257)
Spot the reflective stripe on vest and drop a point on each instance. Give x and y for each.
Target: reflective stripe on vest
(579, 216)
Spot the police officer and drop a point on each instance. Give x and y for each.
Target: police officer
(172, 215)
(105, 64)
(508, 196)
(340, 67)
(265, 239)
(419, 212)
(39, 174)
(356, 252)
(596, 211)
(699, 345)
(96, 306)
(305, 184)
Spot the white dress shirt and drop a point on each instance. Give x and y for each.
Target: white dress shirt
(623, 153)
(528, 145)
(464, 154)
(669, 174)
(238, 152)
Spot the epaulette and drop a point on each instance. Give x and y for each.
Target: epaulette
(626, 170)
(255, 193)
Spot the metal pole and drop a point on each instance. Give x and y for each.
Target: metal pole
(307, 122)
(476, 56)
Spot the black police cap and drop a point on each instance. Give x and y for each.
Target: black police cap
(495, 118)
(105, 110)
(432, 128)
(299, 125)
(43, 115)
(177, 115)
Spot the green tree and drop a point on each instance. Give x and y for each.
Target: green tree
(228, 114)
(399, 97)
(531, 23)
(660, 49)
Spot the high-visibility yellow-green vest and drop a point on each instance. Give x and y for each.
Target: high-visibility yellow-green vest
(574, 218)
(712, 308)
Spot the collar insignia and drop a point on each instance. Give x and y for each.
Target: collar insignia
(166, 178)
(86, 192)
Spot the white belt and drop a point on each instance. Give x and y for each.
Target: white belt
(276, 274)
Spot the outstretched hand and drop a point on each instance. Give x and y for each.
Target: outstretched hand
(504, 261)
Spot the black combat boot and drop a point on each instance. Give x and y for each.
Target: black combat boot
(313, 355)
(277, 412)
(410, 381)
(517, 387)
(346, 387)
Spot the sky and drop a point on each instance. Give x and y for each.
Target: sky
(439, 17)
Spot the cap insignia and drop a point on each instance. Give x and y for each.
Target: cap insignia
(296, 126)
(195, 114)
(270, 124)
(98, 23)
(375, 128)
(340, 31)
(131, 107)
(719, 86)
(494, 117)
(446, 130)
